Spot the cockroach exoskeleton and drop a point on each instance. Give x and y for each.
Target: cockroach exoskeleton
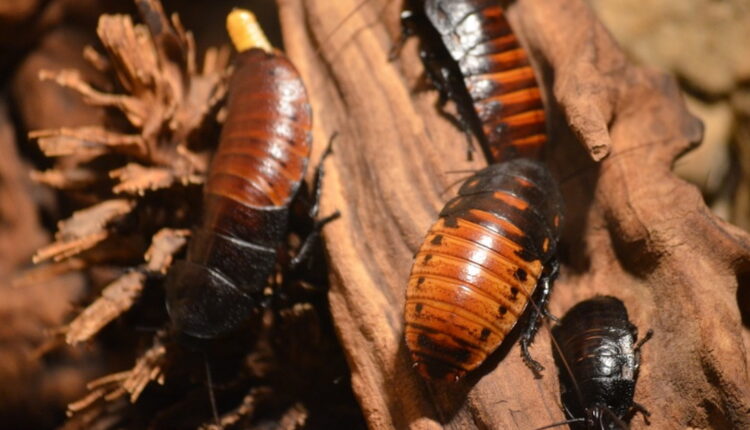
(598, 360)
(473, 58)
(255, 176)
(492, 251)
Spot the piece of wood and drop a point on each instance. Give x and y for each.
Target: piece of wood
(632, 229)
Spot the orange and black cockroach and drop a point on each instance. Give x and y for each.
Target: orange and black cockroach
(491, 252)
(598, 353)
(255, 176)
(473, 58)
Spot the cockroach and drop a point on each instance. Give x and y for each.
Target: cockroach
(473, 58)
(599, 357)
(492, 250)
(253, 179)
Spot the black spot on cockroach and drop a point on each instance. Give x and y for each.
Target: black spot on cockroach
(427, 258)
(514, 293)
(437, 240)
(420, 280)
(502, 310)
(460, 354)
(520, 274)
(419, 307)
(450, 221)
(425, 341)
(485, 334)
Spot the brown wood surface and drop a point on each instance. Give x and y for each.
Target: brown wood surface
(632, 228)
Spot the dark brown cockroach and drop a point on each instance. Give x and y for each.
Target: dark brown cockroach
(472, 57)
(490, 253)
(599, 357)
(254, 177)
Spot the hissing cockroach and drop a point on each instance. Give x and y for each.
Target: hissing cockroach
(491, 252)
(254, 177)
(599, 357)
(473, 58)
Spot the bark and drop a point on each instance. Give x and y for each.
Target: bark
(633, 230)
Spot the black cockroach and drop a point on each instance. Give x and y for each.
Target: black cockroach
(491, 252)
(473, 58)
(599, 357)
(254, 177)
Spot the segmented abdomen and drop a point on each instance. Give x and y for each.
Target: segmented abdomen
(265, 142)
(478, 266)
(256, 172)
(497, 74)
(263, 151)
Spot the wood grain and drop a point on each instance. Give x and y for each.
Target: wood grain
(632, 228)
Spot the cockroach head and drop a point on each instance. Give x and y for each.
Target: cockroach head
(202, 303)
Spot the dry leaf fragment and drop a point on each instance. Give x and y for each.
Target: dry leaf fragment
(294, 418)
(62, 178)
(166, 243)
(131, 48)
(94, 218)
(97, 60)
(110, 389)
(40, 274)
(206, 91)
(149, 367)
(84, 229)
(245, 409)
(115, 299)
(105, 416)
(166, 98)
(85, 402)
(85, 141)
(137, 179)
